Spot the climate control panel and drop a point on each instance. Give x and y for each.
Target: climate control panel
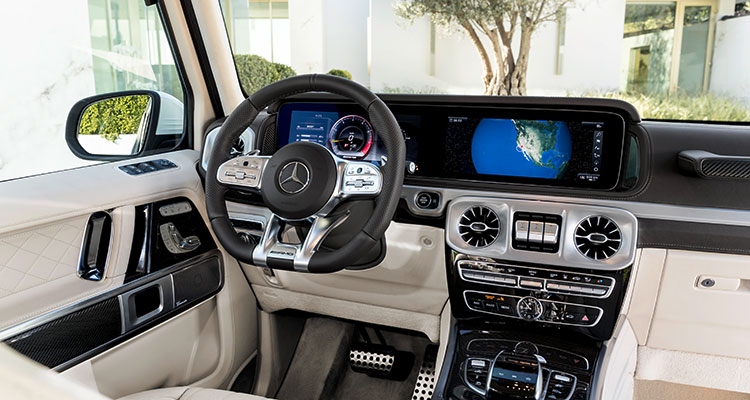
(533, 309)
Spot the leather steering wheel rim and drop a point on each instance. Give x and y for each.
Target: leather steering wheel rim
(386, 202)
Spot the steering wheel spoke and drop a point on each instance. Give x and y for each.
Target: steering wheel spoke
(243, 172)
(271, 252)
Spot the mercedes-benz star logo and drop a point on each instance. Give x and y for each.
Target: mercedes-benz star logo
(294, 177)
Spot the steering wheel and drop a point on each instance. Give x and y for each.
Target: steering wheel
(305, 181)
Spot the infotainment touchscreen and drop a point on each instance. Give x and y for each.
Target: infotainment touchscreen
(526, 148)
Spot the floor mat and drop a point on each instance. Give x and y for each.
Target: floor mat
(660, 390)
(320, 368)
(355, 385)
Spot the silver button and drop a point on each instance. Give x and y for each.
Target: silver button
(550, 233)
(522, 231)
(562, 378)
(598, 291)
(531, 283)
(536, 232)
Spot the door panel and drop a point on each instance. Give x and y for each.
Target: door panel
(185, 316)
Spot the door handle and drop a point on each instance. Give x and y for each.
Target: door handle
(95, 247)
(147, 302)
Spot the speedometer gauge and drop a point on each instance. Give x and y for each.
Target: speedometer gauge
(351, 137)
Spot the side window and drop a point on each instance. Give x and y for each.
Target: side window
(64, 52)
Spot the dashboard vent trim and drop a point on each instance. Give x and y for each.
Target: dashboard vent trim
(598, 238)
(479, 226)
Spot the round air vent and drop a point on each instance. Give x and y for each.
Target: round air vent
(598, 238)
(478, 226)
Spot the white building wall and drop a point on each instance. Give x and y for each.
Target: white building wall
(591, 60)
(306, 35)
(401, 53)
(345, 37)
(45, 71)
(400, 50)
(731, 59)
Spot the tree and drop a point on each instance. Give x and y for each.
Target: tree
(498, 20)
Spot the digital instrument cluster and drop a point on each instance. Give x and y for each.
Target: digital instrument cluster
(346, 134)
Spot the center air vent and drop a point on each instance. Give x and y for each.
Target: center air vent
(598, 238)
(478, 226)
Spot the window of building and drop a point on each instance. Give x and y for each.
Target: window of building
(667, 46)
(259, 27)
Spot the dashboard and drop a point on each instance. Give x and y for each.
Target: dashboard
(564, 148)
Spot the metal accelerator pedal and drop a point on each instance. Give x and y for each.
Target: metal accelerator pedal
(379, 360)
(425, 386)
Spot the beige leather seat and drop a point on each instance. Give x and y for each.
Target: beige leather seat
(187, 393)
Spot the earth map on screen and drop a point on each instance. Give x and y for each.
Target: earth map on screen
(528, 148)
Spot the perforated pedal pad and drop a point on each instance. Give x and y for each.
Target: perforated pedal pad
(380, 361)
(425, 386)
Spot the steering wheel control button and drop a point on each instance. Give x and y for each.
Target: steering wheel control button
(427, 200)
(361, 178)
(242, 171)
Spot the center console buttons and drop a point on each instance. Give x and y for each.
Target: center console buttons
(533, 309)
(550, 233)
(543, 279)
(531, 283)
(536, 232)
(522, 231)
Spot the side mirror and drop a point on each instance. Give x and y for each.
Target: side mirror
(121, 125)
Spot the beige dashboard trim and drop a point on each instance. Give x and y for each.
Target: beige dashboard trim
(274, 299)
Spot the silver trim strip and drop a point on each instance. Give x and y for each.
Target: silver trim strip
(658, 211)
(601, 311)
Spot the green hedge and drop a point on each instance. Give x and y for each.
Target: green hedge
(114, 117)
(683, 106)
(256, 72)
(341, 72)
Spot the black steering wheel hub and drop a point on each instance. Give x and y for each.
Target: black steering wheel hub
(298, 180)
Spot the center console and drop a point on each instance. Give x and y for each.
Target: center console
(535, 289)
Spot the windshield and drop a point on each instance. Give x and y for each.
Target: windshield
(680, 60)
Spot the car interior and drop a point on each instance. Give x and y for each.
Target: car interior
(316, 240)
